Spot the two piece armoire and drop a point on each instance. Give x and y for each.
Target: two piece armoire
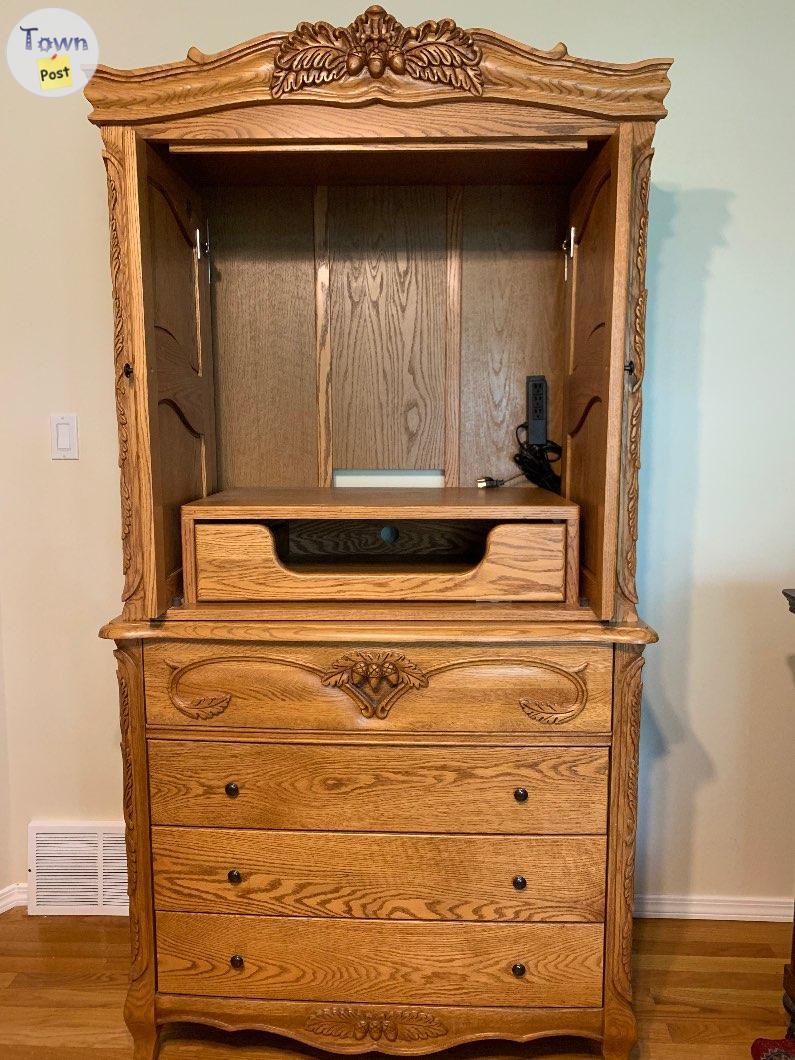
(380, 743)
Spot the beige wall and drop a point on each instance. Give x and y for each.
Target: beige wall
(718, 503)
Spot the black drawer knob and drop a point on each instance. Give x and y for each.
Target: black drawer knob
(520, 794)
(234, 876)
(519, 883)
(518, 970)
(236, 960)
(232, 790)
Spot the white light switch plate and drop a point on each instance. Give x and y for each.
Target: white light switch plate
(63, 436)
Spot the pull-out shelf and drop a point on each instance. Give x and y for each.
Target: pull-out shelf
(365, 544)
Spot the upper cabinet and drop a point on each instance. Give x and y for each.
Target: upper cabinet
(346, 248)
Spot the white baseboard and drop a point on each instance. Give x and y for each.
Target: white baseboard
(708, 907)
(12, 896)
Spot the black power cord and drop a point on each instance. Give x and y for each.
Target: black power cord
(534, 462)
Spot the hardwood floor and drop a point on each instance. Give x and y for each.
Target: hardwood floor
(703, 991)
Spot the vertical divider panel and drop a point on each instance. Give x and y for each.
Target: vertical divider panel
(325, 460)
(452, 371)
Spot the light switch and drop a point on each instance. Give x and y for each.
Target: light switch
(63, 436)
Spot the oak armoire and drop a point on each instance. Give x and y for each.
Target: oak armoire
(380, 745)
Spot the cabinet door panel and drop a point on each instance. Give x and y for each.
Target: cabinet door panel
(596, 293)
(179, 376)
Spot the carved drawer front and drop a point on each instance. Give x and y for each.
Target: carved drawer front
(388, 789)
(372, 961)
(380, 876)
(467, 689)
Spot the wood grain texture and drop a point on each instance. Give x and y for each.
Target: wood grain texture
(263, 295)
(619, 1023)
(139, 1012)
(372, 503)
(380, 876)
(371, 961)
(508, 71)
(361, 688)
(511, 326)
(351, 788)
(635, 360)
(325, 454)
(521, 561)
(452, 357)
(703, 991)
(594, 365)
(179, 380)
(387, 250)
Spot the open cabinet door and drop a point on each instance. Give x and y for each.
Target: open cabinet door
(596, 300)
(178, 341)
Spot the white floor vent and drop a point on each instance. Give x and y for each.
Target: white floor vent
(77, 868)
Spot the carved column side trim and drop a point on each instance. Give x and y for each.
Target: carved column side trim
(132, 592)
(139, 1008)
(635, 359)
(620, 1029)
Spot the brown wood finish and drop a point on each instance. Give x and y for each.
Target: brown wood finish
(139, 1004)
(263, 306)
(512, 325)
(387, 325)
(239, 561)
(360, 789)
(380, 876)
(594, 369)
(703, 991)
(383, 279)
(440, 690)
(176, 318)
(408, 963)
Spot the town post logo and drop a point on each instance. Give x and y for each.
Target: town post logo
(52, 52)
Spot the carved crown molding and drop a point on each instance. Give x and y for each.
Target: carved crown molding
(374, 43)
(376, 58)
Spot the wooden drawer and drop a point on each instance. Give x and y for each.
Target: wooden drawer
(239, 561)
(372, 961)
(393, 789)
(421, 688)
(380, 876)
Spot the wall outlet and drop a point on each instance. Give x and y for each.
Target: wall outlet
(63, 436)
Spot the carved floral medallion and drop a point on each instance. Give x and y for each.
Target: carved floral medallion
(407, 1025)
(374, 43)
(375, 678)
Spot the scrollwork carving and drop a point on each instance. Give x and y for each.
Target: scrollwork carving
(128, 807)
(375, 678)
(348, 1024)
(375, 42)
(553, 712)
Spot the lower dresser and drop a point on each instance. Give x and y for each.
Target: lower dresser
(364, 849)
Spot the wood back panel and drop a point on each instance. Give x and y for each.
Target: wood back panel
(263, 314)
(380, 876)
(179, 360)
(361, 788)
(360, 960)
(387, 250)
(511, 318)
(485, 689)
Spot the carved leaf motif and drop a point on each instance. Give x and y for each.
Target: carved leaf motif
(347, 1024)
(200, 708)
(375, 42)
(312, 55)
(555, 713)
(443, 52)
(375, 678)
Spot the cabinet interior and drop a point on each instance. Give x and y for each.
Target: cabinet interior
(381, 309)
